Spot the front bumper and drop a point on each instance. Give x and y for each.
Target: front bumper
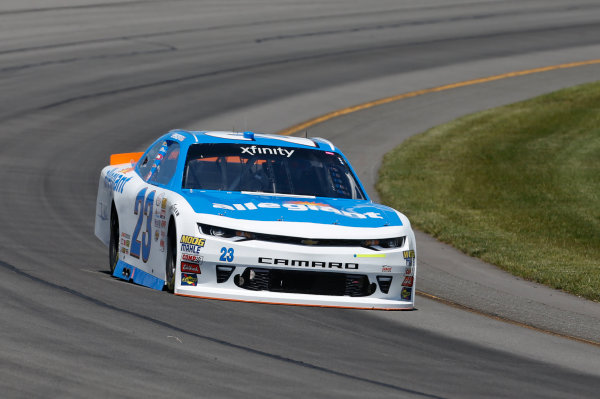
(266, 272)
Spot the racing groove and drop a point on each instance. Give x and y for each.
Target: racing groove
(79, 83)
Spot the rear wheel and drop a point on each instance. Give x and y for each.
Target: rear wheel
(171, 263)
(113, 247)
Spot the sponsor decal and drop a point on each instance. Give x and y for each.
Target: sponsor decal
(178, 137)
(189, 279)
(174, 210)
(193, 240)
(125, 243)
(309, 203)
(291, 206)
(189, 267)
(406, 293)
(386, 269)
(306, 263)
(160, 224)
(408, 271)
(126, 170)
(193, 249)
(267, 150)
(160, 211)
(115, 181)
(161, 207)
(192, 244)
(125, 239)
(192, 258)
(408, 281)
(409, 257)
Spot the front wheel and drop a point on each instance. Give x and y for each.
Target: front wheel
(113, 247)
(171, 263)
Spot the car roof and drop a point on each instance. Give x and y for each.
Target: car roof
(190, 137)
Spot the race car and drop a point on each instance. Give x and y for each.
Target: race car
(253, 217)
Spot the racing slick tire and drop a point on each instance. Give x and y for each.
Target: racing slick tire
(113, 247)
(171, 262)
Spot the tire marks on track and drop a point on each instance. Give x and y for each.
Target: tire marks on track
(77, 7)
(425, 22)
(214, 340)
(272, 63)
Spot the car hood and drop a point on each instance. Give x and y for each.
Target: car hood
(259, 207)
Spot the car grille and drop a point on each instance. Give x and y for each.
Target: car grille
(223, 273)
(384, 283)
(305, 241)
(305, 282)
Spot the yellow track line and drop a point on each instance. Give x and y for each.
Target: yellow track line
(345, 111)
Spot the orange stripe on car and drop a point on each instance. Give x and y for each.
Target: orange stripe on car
(118, 159)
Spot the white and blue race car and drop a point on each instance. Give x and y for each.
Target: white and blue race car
(253, 217)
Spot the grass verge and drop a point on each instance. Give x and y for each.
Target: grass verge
(517, 186)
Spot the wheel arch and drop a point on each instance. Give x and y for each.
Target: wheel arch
(171, 255)
(113, 209)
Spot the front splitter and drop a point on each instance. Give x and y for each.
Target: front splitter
(279, 298)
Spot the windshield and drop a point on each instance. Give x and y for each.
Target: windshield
(269, 169)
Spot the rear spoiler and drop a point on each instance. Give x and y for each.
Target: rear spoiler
(128, 157)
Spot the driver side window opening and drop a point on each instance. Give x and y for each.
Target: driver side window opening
(159, 164)
(167, 165)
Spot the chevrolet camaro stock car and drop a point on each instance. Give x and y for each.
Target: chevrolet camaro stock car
(253, 217)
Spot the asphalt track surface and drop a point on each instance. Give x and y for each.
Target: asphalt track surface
(79, 82)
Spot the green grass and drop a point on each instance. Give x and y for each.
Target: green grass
(517, 186)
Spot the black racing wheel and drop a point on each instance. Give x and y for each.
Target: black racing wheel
(171, 263)
(113, 247)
